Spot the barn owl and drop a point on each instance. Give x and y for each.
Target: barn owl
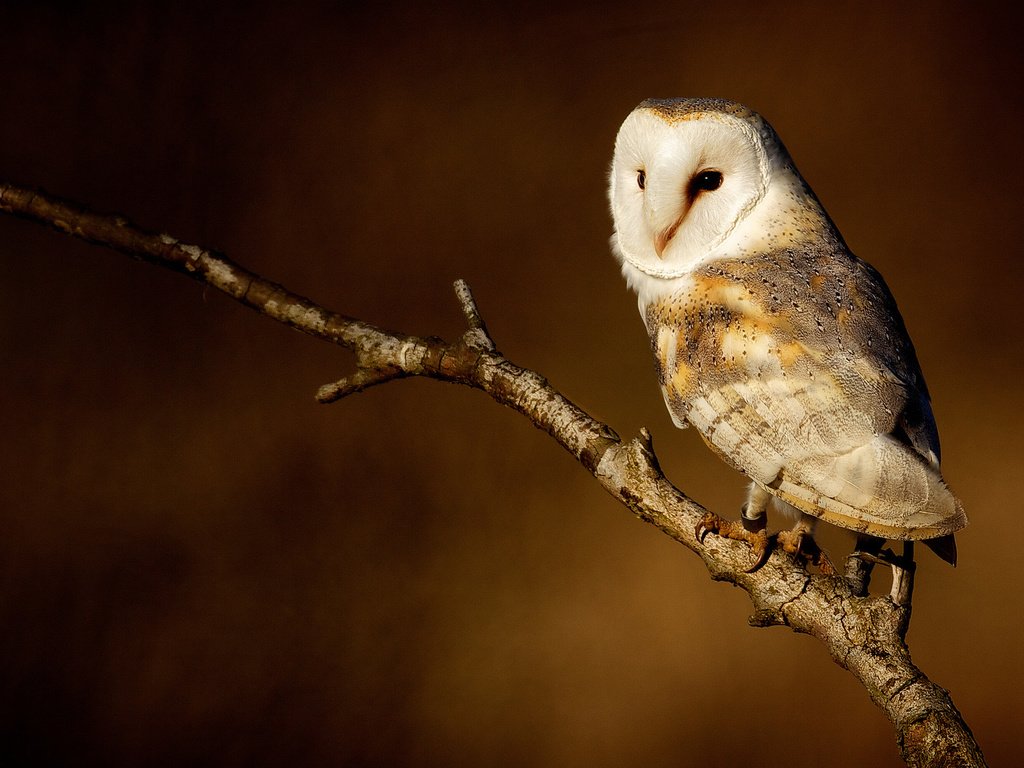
(784, 350)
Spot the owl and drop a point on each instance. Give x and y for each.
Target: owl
(783, 349)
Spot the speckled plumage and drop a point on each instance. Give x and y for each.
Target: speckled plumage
(783, 349)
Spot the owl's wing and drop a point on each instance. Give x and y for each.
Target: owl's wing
(808, 443)
(895, 361)
(916, 427)
(845, 434)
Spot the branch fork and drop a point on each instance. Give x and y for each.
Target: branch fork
(369, 371)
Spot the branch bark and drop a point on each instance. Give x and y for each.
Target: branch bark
(865, 635)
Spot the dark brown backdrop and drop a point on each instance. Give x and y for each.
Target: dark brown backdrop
(200, 565)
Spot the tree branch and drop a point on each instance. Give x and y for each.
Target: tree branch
(865, 635)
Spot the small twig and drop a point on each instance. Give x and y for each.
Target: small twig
(357, 382)
(468, 304)
(477, 335)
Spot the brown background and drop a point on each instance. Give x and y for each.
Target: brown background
(199, 564)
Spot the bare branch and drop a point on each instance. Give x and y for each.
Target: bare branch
(863, 634)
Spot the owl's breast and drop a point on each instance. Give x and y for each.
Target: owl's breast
(720, 329)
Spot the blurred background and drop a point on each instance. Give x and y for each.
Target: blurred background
(200, 565)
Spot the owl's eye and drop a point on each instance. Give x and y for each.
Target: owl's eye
(705, 181)
(641, 179)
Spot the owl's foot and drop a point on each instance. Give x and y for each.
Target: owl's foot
(801, 543)
(731, 529)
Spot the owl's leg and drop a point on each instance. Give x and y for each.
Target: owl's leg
(754, 514)
(752, 528)
(800, 541)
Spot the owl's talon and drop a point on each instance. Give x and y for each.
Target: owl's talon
(802, 545)
(730, 529)
(824, 564)
(759, 544)
(708, 523)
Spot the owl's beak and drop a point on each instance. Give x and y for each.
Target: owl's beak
(661, 240)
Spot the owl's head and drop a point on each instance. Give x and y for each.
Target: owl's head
(693, 179)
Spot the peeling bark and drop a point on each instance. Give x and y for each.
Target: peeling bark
(865, 635)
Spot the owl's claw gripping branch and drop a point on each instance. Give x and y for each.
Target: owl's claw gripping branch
(731, 529)
(796, 542)
(802, 545)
